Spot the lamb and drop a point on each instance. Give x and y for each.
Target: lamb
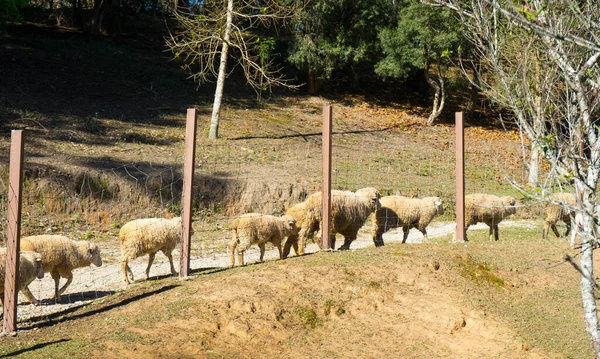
(61, 255)
(30, 267)
(489, 209)
(257, 228)
(349, 211)
(399, 211)
(298, 211)
(553, 213)
(148, 236)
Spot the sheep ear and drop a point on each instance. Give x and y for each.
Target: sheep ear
(292, 223)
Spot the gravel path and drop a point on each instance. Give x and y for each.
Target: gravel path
(94, 283)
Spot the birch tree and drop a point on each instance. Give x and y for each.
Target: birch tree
(231, 29)
(552, 87)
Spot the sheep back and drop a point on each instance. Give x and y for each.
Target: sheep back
(59, 253)
(554, 212)
(149, 235)
(261, 228)
(488, 208)
(30, 268)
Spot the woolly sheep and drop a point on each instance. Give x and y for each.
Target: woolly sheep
(251, 228)
(553, 213)
(489, 209)
(349, 211)
(30, 267)
(579, 226)
(399, 211)
(148, 236)
(298, 211)
(60, 255)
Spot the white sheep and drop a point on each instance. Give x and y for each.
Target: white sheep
(399, 211)
(257, 228)
(580, 227)
(555, 212)
(30, 268)
(349, 211)
(489, 209)
(60, 255)
(148, 236)
(298, 211)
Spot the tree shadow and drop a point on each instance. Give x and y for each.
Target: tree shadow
(33, 348)
(49, 320)
(78, 297)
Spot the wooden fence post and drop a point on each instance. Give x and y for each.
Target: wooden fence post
(13, 233)
(188, 183)
(326, 187)
(460, 177)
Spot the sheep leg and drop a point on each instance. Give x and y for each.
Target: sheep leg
(29, 296)
(377, 233)
(240, 252)
(126, 271)
(424, 231)
(69, 277)
(568, 223)
(262, 251)
(348, 239)
(405, 230)
(280, 251)
(56, 278)
(150, 260)
(292, 240)
(170, 256)
(555, 230)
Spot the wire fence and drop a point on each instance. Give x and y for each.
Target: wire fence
(240, 176)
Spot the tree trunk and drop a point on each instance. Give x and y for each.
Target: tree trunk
(100, 7)
(439, 97)
(213, 134)
(312, 82)
(534, 166)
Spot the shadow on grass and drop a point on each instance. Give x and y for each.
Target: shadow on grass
(33, 348)
(63, 316)
(312, 134)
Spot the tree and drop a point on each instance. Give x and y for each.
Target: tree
(231, 28)
(338, 38)
(9, 10)
(564, 38)
(424, 39)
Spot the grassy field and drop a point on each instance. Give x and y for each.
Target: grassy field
(105, 137)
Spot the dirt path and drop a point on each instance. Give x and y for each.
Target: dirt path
(94, 283)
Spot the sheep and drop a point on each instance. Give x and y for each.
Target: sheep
(489, 209)
(61, 255)
(251, 228)
(30, 267)
(349, 211)
(298, 211)
(579, 227)
(399, 211)
(553, 213)
(148, 236)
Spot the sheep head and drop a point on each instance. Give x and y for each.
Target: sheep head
(39, 268)
(371, 193)
(94, 255)
(291, 223)
(509, 204)
(437, 202)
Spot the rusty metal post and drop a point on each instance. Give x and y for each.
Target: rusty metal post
(326, 187)
(460, 177)
(13, 233)
(188, 182)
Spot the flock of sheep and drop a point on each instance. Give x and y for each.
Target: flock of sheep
(59, 255)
